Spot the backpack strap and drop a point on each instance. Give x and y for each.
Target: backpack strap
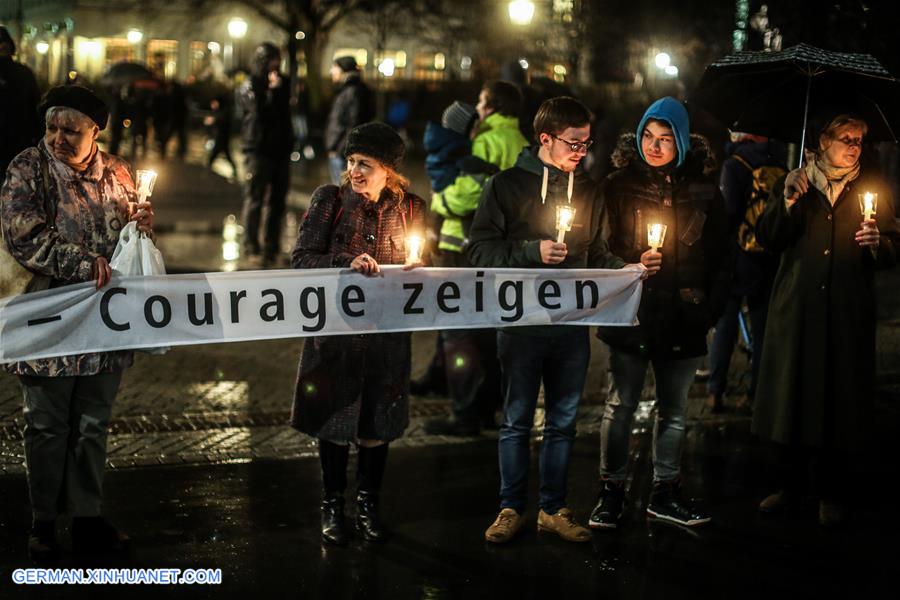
(743, 161)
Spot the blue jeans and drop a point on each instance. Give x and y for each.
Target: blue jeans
(626, 383)
(726, 335)
(525, 360)
(336, 167)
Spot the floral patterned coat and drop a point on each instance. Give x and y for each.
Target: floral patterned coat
(354, 387)
(91, 209)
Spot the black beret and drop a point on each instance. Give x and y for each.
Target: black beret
(377, 140)
(78, 97)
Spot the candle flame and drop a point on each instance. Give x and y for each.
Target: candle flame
(656, 234)
(146, 179)
(414, 245)
(565, 216)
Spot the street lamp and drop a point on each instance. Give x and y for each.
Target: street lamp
(237, 29)
(42, 47)
(521, 12)
(663, 60)
(671, 71)
(134, 36)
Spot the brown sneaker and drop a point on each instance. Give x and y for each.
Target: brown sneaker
(505, 527)
(563, 524)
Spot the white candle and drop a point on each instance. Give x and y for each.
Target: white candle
(571, 186)
(869, 201)
(146, 179)
(565, 216)
(656, 235)
(414, 245)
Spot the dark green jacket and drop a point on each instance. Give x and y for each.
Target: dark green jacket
(511, 221)
(817, 375)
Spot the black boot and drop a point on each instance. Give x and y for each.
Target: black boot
(371, 471)
(334, 528)
(334, 482)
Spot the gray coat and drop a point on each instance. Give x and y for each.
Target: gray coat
(354, 387)
(817, 375)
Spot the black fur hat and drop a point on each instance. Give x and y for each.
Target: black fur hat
(78, 97)
(377, 140)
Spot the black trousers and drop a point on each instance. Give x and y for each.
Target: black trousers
(266, 186)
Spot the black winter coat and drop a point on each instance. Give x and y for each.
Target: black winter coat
(19, 97)
(817, 375)
(511, 221)
(353, 105)
(266, 128)
(352, 387)
(685, 298)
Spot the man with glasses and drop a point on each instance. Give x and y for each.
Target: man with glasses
(515, 226)
(662, 179)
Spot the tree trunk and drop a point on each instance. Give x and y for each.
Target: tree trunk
(315, 46)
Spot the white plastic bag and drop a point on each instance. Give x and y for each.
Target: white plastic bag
(137, 255)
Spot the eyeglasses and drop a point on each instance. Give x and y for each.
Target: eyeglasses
(850, 141)
(575, 146)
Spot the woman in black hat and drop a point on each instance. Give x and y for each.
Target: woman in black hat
(62, 207)
(355, 389)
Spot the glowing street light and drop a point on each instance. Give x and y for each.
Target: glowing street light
(663, 60)
(671, 71)
(387, 67)
(521, 12)
(42, 47)
(237, 28)
(134, 36)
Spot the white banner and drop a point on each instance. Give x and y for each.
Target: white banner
(175, 310)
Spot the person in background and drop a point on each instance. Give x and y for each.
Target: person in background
(663, 177)
(68, 399)
(354, 389)
(19, 97)
(354, 104)
(219, 124)
(753, 165)
(268, 139)
(470, 354)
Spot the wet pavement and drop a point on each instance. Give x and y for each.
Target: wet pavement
(204, 473)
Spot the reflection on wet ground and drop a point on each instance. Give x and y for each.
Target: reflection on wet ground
(258, 522)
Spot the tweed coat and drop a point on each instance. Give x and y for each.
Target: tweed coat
(91, 209)
(354, 387)
(817, 372)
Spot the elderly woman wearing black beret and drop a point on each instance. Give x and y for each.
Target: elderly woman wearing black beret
(62, 207)
(355, 389)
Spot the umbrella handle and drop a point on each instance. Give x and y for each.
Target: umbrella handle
(805, 118)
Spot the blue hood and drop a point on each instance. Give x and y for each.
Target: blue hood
(671, 111)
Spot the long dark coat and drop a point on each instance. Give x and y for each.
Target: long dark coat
(354, 387)
(817, 375)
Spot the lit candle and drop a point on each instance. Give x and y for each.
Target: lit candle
(656, 235)
(565, 216)
(868, 204)
(414, 245)
(146, 179)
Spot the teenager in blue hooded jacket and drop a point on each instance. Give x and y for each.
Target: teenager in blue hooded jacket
(662, 177)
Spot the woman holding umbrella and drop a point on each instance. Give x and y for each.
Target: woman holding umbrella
(355, 388)
(817, 376)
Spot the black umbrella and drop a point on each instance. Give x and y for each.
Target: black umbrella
(773, 93)
(125, 73)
